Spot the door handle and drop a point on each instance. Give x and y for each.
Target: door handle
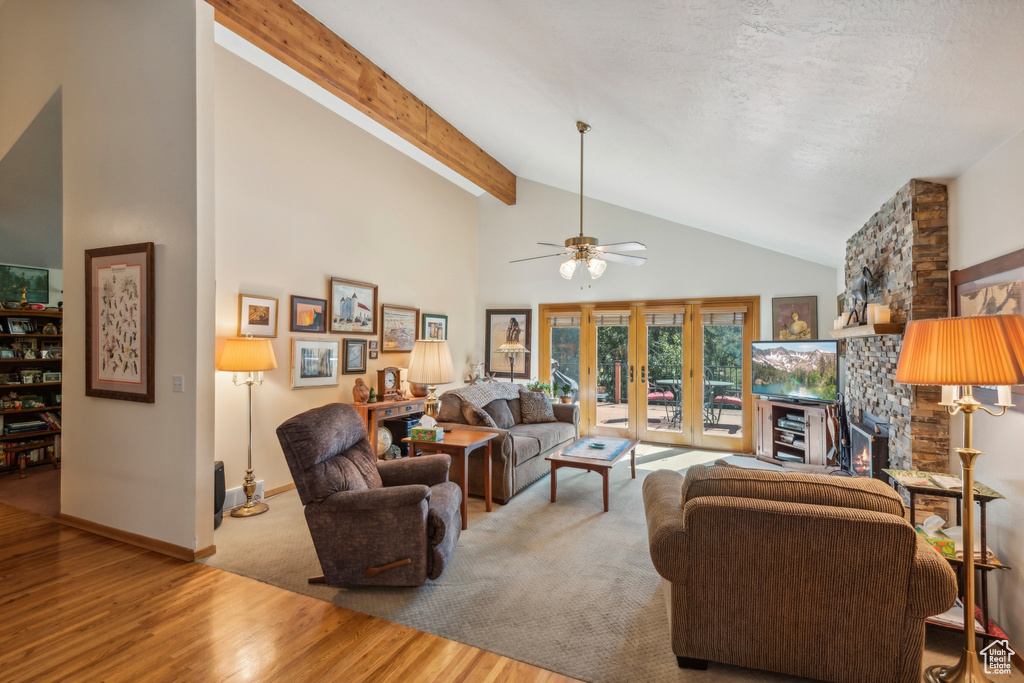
(630, 374)
(643, 374)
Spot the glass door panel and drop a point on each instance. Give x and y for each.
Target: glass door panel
(565, 355)
(722, 389)
(663, 362)
(615, 372)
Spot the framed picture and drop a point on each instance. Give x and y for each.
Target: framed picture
(353, 307)
(7, 353)
(257, 315)
(507, 325)
(35, 282)
(308, 315)
(51, 376)
(434, 326)
(398, 328)
(19, 326)
(373, 349)
(119, 335)
(354, 352)
(314, 363)
(795, 317)
(995, 287)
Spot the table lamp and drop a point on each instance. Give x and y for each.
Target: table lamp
(511, 347)
(250, 357)
(957, 354)
(431, 364)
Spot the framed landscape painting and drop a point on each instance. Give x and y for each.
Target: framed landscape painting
(257, 315)
(35, 281)
(119, 336)
(434, 326)
(353, 307)
(308, 314)
(398, 328)
(314, 363)
(507, 325)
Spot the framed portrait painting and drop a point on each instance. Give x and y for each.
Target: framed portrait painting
(308, 314)
(994, 287)
(434, 326)
(314, 363)
(507, 325)
(119, 334)
(354, 353)
(794, 317)
(257, 315)
(353, 307)
(398, 328)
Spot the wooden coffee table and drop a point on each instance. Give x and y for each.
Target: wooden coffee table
(598, 465)
(458, 443)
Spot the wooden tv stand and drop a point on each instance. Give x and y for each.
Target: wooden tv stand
(789, 433)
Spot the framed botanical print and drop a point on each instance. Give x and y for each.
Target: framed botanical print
(434, 326)
(354, 353)
(119, 335)
(507, 325)
(795, 317)
(398, 328)
(353, 307)
(994, 287)
(314, 363)
(257, 315)
(308, 314)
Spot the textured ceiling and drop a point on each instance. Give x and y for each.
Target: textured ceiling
(781, 123)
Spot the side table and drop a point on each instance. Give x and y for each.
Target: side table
(375, 413)
(458, 443)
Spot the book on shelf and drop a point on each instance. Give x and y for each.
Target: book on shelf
(947, 482)
(954, 616)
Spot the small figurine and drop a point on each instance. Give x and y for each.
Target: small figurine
(360, 392)
(372, 396)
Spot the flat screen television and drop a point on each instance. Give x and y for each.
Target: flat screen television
(795, 370)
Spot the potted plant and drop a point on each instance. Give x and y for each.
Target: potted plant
(566, 393)
(539, 387)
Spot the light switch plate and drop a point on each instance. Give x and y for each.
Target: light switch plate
(178, 383)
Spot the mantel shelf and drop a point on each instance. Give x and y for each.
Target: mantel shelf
(875, 330)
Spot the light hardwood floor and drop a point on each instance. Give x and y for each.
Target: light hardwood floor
(79, 607)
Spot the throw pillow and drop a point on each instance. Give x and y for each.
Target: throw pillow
(536, 407)
(476, 416)
(451, 409)
(516, 409)
(499, 412)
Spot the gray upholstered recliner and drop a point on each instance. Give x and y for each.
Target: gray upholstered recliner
(379, 523)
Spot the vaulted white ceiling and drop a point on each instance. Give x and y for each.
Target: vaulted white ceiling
(784, 123)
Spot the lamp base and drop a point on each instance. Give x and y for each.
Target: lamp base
(967, 670)
(251, 508)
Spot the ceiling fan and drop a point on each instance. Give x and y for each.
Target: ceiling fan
(588, 249)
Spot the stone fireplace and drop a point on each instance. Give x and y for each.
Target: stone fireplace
(906, 246)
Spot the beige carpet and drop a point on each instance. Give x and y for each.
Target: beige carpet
(563, 586)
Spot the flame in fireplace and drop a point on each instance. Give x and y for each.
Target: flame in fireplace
(862, 462)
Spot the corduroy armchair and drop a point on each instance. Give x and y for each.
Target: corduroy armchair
(390, 523)
(802, 574)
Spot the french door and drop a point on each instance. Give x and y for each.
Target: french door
(672, 373)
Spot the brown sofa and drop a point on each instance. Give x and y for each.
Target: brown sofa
(520, 450)
(802, 574)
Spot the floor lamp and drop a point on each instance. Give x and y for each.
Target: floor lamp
(248, 357)
(958, 354)
(511, 347)
(431, 364)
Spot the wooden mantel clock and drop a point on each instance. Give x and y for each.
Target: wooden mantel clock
(388, 384)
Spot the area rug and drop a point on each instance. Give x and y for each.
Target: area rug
(563, 586)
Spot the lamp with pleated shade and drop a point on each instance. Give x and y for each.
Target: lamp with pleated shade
(431, 364)
(958, 354)
(251, 357)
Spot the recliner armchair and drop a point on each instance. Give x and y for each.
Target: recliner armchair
(381, 523)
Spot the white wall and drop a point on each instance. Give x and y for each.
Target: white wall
(303, 195)
(986, 205)
(128, 72)
(681, 261)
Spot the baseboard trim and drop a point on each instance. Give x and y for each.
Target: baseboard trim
(163, 547)
(279, 489)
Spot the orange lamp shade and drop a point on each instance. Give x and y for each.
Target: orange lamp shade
(247, 355)
(984, 350)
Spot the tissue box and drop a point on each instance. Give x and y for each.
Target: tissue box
(427, 434)
(942, 543)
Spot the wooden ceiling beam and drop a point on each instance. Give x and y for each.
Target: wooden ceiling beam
(288, 33)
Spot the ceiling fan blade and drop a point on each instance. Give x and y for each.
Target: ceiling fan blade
(549, 244)
(624, 246)
(532, 258)
(622, 258)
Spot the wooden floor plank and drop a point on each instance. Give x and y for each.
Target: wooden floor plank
(76, 606)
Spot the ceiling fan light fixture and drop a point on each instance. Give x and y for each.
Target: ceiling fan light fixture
(567, 269)
(596, 267)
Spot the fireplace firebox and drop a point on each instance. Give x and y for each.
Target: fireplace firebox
(869, 447)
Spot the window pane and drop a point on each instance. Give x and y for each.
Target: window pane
(613, 375)
(665, 377)
(723, 380)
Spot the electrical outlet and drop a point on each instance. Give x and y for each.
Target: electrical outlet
(178, 383)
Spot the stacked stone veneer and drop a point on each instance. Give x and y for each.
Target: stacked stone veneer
(906, 246)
